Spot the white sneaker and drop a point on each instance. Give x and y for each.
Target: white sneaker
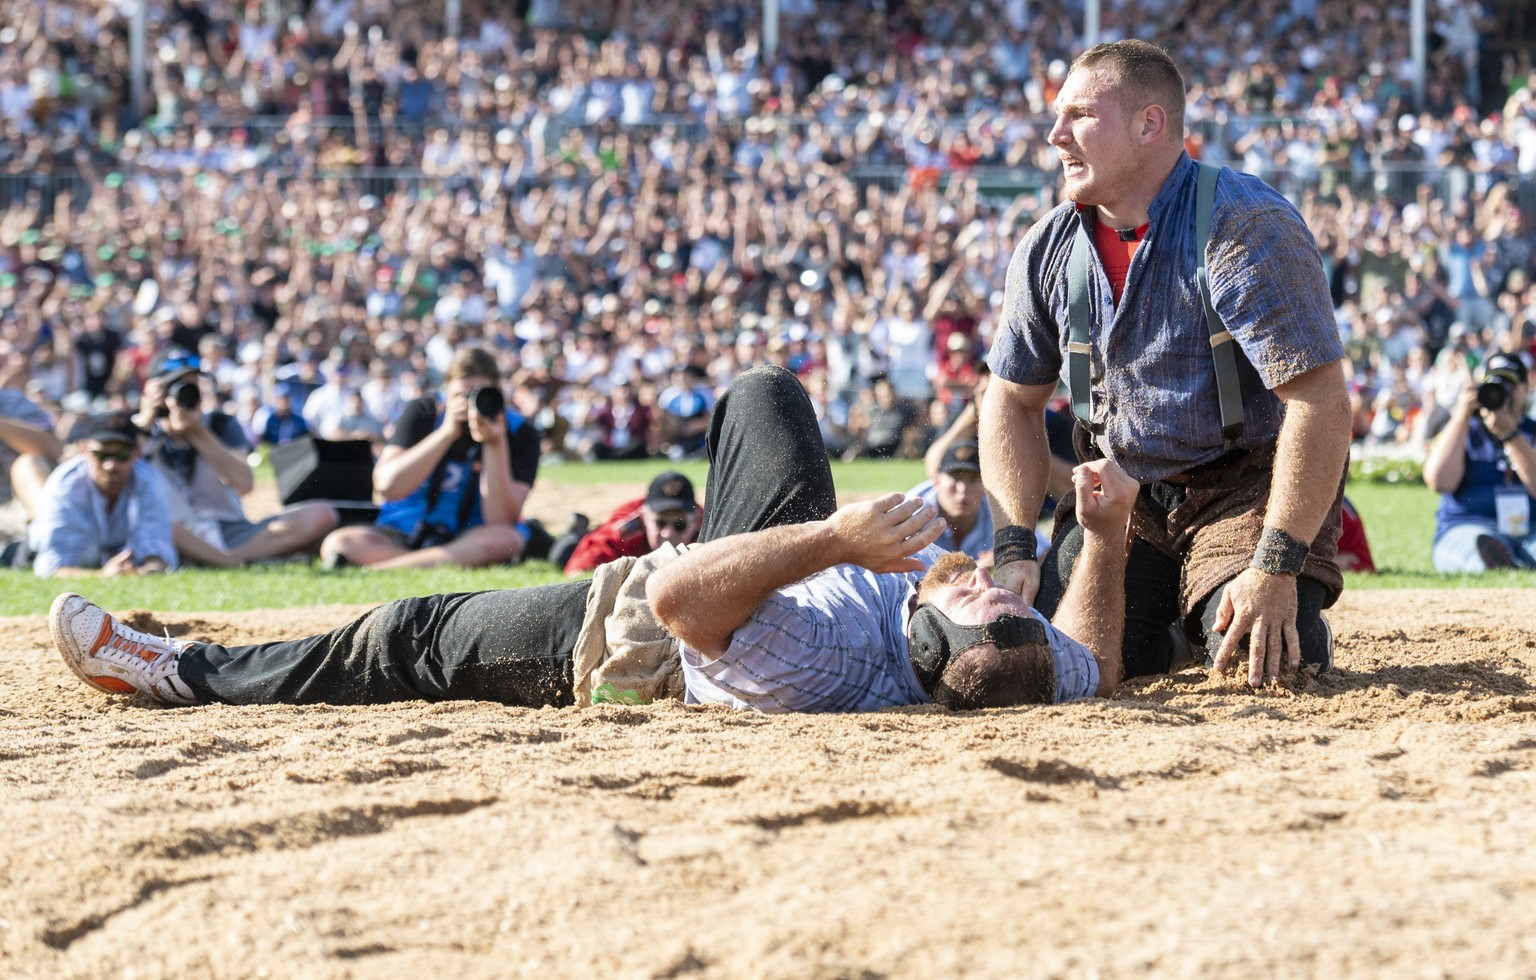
(113, 658)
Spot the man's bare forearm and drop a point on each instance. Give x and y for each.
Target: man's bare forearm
(1015, 455)
(26, 438)
(230, 464)
(1311, 452)
(704, 595)
(399, 473)
(1092, 611)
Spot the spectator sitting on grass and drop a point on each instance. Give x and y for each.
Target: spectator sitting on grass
(1483, 465)
(279, 423)
(105, 510)
(955, 489)
(454, 477)
(28, 450)
(203, 458)
(879, 422)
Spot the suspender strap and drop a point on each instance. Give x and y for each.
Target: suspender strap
(1080, 321)
(1223, 348)
(1079, 326)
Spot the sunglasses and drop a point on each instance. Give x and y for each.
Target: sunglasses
(680, 525)
(112, 455)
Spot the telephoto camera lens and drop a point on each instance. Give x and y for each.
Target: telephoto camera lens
(187, 394)
(1493, 393)
(488, 401)
(183, 393)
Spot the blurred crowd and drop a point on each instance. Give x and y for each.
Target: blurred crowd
(630, 203)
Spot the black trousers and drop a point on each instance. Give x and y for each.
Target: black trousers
(768, 467)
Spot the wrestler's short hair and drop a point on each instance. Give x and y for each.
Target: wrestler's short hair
(1144, 74)
(985, 676)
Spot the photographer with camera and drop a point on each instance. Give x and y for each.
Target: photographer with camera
(453, 478)
(202, 455)
(1484, 466)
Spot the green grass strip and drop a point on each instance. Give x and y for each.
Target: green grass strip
(1399, 522)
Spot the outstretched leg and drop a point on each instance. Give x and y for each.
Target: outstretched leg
(512, 646)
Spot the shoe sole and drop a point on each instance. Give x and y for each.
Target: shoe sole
(1495, 554)
(64, 640)
(1327, 665)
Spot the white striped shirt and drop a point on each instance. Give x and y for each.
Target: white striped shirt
(837, 641)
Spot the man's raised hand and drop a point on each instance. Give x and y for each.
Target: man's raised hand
(1106, 495)
(883, 534)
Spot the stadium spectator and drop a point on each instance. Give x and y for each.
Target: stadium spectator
(621, 427)
(202, 455)
(28, 453)
(685, 406)
(354, 421)
(880, 424)
(453, 477)
(1483, 465)
(105, 511)
(954, 489)
(667, 514)
(278, 423)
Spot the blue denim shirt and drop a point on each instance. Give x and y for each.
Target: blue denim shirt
(1153, 377)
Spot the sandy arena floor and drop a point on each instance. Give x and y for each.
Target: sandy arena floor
(1380, 821)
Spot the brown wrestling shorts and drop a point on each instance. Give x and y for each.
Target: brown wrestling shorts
(1209, 519)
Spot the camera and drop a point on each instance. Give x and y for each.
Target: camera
(429, 535)
(488, 400)
(184, 393)
(1494, 392)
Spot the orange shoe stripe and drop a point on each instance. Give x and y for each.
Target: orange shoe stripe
(103, 635)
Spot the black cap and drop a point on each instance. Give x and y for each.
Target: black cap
(961, 457)
(1508, 366)
(173, 362)
(108, 427)
(670, 491)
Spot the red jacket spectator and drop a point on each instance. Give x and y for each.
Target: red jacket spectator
(1354, 550)
(668, 512)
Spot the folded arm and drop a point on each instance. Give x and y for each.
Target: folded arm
(704, 595)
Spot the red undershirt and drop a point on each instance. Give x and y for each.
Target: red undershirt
(1115, 254)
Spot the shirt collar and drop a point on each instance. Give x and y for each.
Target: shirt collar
(1175, 192)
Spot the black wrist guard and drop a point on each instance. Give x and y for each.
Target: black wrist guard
(1012, 542)
(1279, 553)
